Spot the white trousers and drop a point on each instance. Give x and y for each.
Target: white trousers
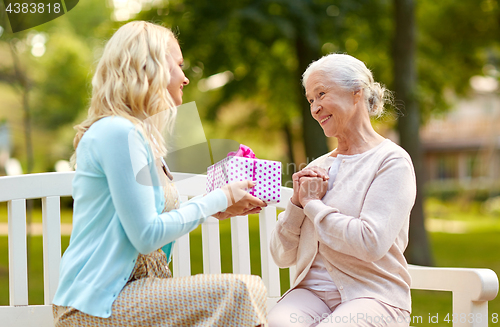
(304, 308)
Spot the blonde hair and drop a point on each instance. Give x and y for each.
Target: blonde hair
(353, 75)
(131, 81)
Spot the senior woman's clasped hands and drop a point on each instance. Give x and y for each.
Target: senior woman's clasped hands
(311, 183)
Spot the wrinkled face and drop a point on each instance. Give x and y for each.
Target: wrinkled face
(177, 77)
(331, 105)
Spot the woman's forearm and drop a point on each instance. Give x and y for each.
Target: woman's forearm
(286, 236)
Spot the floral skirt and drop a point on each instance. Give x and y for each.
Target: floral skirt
(152, 297)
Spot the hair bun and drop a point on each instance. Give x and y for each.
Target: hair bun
(379, 95)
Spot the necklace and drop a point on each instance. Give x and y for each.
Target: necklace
(165, 169)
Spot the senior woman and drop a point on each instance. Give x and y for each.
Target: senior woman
(346, 226)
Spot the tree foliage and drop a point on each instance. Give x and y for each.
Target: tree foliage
(261, 41)
(54, 86)
(266, 45)
(63, 84)
(455, 41)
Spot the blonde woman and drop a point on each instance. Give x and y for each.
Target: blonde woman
(126, 209)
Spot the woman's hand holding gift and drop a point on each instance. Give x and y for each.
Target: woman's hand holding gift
(240, 202)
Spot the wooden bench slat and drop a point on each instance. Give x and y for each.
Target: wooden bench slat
(182, 257)
(182, 253)
(270, 271)
(240, 243)
(18, 258)
(211, 246)
(35, 186)
(292, 271)
(27, 316)
(51, 220)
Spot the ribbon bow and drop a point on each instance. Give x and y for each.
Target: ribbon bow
(243, 151)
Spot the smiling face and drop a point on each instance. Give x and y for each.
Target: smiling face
(177, 77)
(331, 105)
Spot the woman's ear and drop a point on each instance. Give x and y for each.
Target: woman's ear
(357, 95)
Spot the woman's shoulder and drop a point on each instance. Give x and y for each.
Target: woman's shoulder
(393, 150)
(384, 152)
(109, 132)
(112, 124)
(112, 129)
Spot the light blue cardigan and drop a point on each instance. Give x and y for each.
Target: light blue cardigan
(118, 215)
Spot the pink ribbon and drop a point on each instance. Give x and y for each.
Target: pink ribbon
(245, 152)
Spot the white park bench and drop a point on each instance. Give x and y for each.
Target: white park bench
(471, 288)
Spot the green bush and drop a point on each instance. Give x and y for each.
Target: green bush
(492, 206)
(451, 190)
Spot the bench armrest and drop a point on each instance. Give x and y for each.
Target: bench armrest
(471, 289)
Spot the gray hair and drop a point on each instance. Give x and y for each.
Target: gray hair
(351, 74)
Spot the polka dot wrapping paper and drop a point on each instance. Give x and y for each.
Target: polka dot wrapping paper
(265, 173)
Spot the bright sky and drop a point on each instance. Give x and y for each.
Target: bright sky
(126, 9)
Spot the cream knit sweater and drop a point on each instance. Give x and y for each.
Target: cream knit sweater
(360, 227)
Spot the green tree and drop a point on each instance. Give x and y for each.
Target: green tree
(63, 88)
(268, 45)
(60, 78)
(455, 41)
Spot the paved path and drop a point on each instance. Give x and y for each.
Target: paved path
(446, 226)
(36, 229)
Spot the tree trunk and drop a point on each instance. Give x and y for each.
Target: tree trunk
(313, 135)
(405, 83)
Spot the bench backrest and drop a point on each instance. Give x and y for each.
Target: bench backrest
(50, 187)
(15, 190)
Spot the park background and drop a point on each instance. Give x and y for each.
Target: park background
(244, 59)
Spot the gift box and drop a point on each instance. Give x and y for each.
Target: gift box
(242, 165)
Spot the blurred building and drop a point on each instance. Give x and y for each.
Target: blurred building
(464, 145)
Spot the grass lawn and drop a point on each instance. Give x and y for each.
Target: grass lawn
(478, 248)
